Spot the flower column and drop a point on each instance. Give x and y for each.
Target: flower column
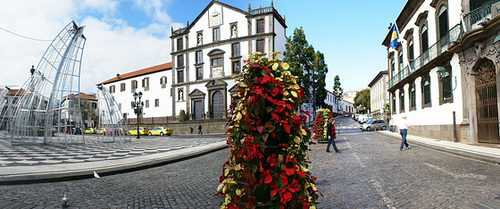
(267, 165)
(320, 124)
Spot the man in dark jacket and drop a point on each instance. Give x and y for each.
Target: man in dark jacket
(331, 134)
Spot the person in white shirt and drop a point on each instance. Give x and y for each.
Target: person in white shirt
(403, 130)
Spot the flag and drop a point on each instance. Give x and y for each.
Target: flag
(394, 37)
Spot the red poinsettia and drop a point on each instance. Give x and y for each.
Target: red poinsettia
(267, 166)
(320, 123)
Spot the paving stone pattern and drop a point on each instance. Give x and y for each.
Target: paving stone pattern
(94, 150)
(185, 184)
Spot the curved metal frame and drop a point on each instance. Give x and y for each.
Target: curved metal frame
(48, 108)
(111, 119)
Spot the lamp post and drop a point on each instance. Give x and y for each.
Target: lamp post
(442, 74)
(137, 106)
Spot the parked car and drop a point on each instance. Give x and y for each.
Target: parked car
(346, 114)
(374, 124)
(101, 131)
(142, 131)
(120, 131)
(365, 119)
(160, 131)
(90, 131)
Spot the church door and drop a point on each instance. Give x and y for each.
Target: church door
(217, 105)
(198, 110)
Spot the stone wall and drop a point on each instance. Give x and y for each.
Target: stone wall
(443, 132)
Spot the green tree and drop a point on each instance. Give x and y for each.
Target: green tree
(300, 56)
(88, 112)
(319, 76)
(362, 100)
(337, 91)
(182, 116)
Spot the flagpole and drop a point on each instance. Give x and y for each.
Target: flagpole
(402, 40)
(397, 30)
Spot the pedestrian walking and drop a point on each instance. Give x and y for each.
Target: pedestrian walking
(199, 129)
(331, 134)
(403, 130)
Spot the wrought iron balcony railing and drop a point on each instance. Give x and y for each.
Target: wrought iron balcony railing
(478, 16)
(434, 51)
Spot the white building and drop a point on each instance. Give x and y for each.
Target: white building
(88, 107)
(443, 71)
(9, 97)
(155, 85)
(378, 94)
(207, 52)
(349, 96)
(338, 106)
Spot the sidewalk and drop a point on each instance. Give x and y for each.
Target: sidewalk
(489, 153)
(24, 164)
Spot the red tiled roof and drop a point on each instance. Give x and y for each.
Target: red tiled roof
(84, 96)
(15, 91)
(139, 72)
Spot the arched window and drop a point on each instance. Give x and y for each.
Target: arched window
(442, 21)
(412, 96)
(400, 59)
(424, 39)
(393, 103)
(426, 91)
(393, 73)
(411, 53)
(401, 100)
(445, 83)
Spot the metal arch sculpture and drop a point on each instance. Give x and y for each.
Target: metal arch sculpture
(48, 109)
(111, 122)
(3, 106)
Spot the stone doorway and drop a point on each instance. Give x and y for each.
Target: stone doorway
(486, 102)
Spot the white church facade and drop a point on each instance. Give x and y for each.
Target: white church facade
(206, 54)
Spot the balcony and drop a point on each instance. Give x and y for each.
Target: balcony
(479, 16)
(261, 10)
(179, 31)
(432, 53)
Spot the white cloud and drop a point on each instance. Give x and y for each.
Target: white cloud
(155, 9)
(112, 46)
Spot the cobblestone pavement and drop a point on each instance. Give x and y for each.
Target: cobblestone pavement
(185, 184)
(369, 172)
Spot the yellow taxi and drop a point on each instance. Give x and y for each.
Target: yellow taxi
(142, 131)
(90, 131)
(120, 131)
(160, 131)
(101, 131)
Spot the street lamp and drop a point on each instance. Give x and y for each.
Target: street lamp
(137, 106)
(442, 74)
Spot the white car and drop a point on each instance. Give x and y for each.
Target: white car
(374, 124)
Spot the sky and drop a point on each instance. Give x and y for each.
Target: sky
(128, 35)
